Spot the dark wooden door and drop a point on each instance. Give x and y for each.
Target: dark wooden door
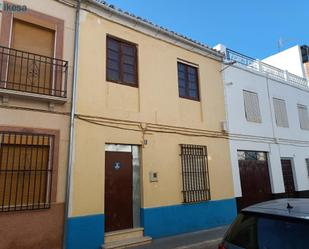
(255, 182)
(118, 191)
(288, 178)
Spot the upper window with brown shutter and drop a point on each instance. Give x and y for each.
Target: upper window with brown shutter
(188, 81)
(121, 62)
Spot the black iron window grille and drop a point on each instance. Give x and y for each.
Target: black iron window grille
(195, 175)
(26, 168)
(33, 73)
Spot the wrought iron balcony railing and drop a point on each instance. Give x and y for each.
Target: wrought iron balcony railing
(266, 68)
(32, 73)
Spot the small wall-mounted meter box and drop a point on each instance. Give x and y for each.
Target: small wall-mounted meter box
(153, 176)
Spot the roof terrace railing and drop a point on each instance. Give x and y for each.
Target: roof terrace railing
(262, 67)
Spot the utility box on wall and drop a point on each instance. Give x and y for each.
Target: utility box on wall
(153, 176)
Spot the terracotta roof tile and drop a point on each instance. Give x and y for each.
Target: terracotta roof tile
(157, 26)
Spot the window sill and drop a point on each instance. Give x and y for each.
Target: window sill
(135, 85)
(254, 122)
(35, 96)
(188, 98)
(195, 202)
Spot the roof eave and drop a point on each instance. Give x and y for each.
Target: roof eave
(178, 39)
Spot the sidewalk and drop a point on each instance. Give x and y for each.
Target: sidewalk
(205, 239)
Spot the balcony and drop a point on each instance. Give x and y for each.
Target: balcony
(262, 67)
(31, 75)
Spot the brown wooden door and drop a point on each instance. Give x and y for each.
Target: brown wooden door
(255, 182)
(288, 178)
(31, 73)
(118, 191)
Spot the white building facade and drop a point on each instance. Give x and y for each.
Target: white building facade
(294, 60)
(268, 127)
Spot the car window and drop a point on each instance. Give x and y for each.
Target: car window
(282, 234)
(256, 232)
(243, 232)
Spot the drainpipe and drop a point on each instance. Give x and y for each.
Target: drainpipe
(72, 123)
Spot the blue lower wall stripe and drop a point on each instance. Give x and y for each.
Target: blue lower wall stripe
(171, 220)
(85, 232)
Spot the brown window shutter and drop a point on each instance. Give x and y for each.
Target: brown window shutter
(25, 172)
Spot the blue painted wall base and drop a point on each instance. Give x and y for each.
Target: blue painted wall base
(171, 220)
(85, 232)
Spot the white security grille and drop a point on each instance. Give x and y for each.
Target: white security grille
(280, 113)
(252, 108)
(307, 163)
(303, 117)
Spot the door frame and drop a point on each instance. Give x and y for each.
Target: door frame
(136, 177)
(293, 171)
(240, 202)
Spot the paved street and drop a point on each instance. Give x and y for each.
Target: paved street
(206, 239)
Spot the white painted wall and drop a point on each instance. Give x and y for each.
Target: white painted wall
(291, 142)
(289, 59)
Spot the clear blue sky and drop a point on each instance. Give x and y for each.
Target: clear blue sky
(250, 27)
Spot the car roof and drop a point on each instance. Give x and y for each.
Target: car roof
(299, 208)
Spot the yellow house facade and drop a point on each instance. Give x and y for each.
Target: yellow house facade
(36, 54)
(150, 150)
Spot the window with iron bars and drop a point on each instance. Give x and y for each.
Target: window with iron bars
(25, 171)
(195, 175)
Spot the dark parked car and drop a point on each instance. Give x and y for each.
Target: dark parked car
(277, 224)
